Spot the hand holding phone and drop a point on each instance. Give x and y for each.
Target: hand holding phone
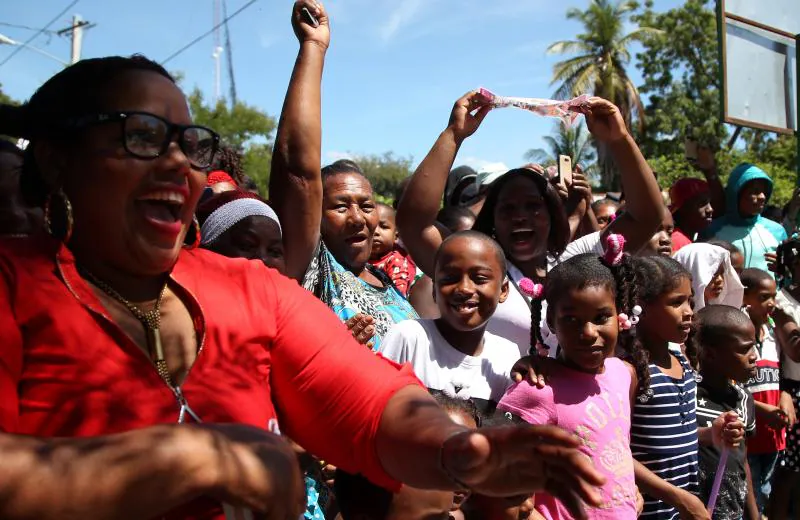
(564, 170)
(312, 21)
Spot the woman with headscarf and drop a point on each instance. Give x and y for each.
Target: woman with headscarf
(113, 330)
(523, 211)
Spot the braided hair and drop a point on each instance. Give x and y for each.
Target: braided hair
(615, 272)
(663, 274)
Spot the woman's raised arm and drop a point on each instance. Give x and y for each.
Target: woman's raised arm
(295, 184)
(416, 216)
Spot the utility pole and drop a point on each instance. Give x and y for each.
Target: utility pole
(76, 32)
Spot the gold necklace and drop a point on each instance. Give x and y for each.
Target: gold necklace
(150, 320)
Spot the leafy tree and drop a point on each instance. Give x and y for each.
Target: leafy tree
(4, 98)
(600, 64)
(565, 140)
(243, 127)
(681, 78)
(385, 172)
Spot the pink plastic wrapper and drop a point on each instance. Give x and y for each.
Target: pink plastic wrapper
(567, 111)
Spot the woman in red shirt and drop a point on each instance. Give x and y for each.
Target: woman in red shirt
(113, 332)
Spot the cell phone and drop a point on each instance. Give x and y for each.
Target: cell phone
(564, 170)
(690, 150)
(310, 18)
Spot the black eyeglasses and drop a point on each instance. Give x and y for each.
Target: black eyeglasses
(147, 136)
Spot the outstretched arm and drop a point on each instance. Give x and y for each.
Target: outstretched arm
(146, 473)
(416, 216)
(295, 183)
(642, 193)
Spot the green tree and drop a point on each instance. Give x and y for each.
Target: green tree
(243, 127)
(565, 140)
(4, 98)
(601, 55)
(681, 78)
(385, 172)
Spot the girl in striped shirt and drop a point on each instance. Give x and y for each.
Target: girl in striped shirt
(663, 423)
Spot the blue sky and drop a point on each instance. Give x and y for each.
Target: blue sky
(393, 71)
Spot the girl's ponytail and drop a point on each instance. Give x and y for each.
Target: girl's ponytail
(534, 291)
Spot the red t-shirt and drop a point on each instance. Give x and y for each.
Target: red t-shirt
(398, 265)
(765, 387)
(67, 370)
(679, 239)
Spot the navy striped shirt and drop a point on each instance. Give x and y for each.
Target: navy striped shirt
(664, 435)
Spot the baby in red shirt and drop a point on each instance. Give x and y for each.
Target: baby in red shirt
(387, 255)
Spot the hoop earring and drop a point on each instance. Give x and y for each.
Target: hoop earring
(197, 236)
(48, 218)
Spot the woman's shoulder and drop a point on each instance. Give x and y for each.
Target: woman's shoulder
(34, 253)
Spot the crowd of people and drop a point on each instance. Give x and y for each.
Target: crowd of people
(493, 345)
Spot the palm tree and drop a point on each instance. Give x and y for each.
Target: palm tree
(565, 140)
(599, 65)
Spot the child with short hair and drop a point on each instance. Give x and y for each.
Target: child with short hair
(387, 255)
(771, 414)
(454, 353)
(724, 338)
(588, 390)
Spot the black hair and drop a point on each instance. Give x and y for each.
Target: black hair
(341, 166)
(603, 202)
(449, 216)
(559, 235)
(727, 246)
(476, 235)
(78, 90)
(712, 326)
(248, 183)
(229, 160)
(662, 274)
(589, 270)
(787, 254)
(357, 497)
(752, 277)
(463, 406)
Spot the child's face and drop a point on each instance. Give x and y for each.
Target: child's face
(736, 357)
(753, 198)
(661, 242)
(469, 282)
(760, 300)
(420, 504)
(585, 322)
(669, 317)
(715, 286)
(385, 233)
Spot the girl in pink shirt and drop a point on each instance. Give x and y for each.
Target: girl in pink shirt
(588, 390)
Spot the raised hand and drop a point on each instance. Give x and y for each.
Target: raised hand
(580, 189)
(467, 115)
(604, 120)
(506, 461)
(304, 30)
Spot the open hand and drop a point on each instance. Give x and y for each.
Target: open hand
(467, 115)
(515, 460)
(604, 120)
(303, 29)
(362, 327)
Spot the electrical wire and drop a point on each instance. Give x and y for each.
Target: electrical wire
(26, 27)
(40, 31)
(220, 24)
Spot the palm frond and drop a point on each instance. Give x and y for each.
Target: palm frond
(567, 46)
(639, 34)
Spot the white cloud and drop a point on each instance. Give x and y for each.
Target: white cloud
(481, 164)
(405, 11)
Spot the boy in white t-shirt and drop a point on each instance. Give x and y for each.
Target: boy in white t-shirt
(454, 354)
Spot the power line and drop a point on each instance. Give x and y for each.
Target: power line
(28, 28)
(40, 31)
(220, 24)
